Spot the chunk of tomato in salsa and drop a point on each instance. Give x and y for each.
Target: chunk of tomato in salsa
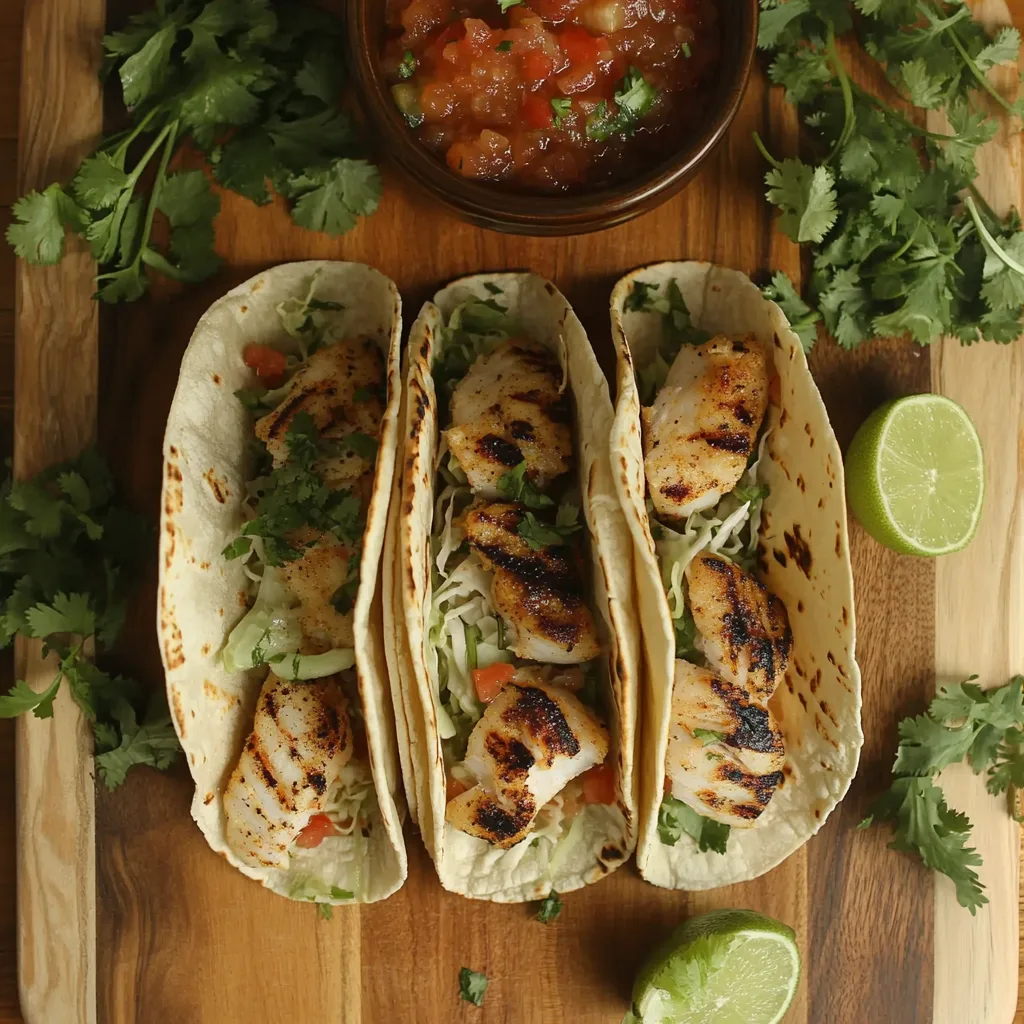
(551, 95)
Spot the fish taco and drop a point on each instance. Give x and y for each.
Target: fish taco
(521, 659)
(732, 482)
(278, 465)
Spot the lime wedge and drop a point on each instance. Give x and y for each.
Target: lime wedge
(728, 967)
(915, 475)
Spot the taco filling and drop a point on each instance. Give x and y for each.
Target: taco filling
(302, 795)
(704, 401)
(514, 651)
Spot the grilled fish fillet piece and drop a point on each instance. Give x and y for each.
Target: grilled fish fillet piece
(313, 580)
(532, 740)
(326, 387)
(540, 593)
(744, 627)
(300, 741)
(731, 779)
(511, 406)
(701, 429)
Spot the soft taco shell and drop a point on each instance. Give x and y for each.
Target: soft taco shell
(803, 557)
(202, 596)
(464, 863)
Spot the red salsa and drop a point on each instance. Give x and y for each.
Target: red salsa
(551, 95)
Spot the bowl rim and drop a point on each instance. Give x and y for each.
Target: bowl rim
(603, 207)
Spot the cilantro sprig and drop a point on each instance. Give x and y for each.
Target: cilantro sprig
(896, 249)
(256, 94)
(964, 722)
(676, 818)
(66, 551)
(515, 485)
(540, 534)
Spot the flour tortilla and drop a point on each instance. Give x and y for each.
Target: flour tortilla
(605, 836)
(803, 557)
(203, 596)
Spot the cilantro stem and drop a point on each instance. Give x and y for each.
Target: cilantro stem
(979, 75)
(849, 115)
(169, 136)
(131, 134)
(764, 152)
(983, 203)
(990, 243)
(884, 108)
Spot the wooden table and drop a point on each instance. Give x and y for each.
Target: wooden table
(10, 36)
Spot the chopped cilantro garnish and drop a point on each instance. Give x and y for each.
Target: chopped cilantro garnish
(709, 736)
(675, 818)
(408, 65)
(539, 534)
(516, 486)
(634, 97)
(560, 105)
(504, 46)
(473, 984)
(550, 908)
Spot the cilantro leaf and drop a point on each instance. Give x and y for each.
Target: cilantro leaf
(152, 742)
(634, 98)
(99, 182)
(676, 818)
(709, 736)
(806, 197)
(21, 698)
(331, 199)
(516, 486)
(40, 220)
(550, 908)
(802, 319)
(65, 614)
(924, 824)
(473, 984)
(540, 535)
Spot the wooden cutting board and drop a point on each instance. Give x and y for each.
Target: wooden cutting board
(126, 917)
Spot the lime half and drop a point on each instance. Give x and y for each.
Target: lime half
(728, 967)
(915, 475)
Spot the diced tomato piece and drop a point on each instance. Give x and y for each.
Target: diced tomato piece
(537, 66)
(537, 111)
(269, 364)
(599, 784)
(453, 788)
(489, 681)
(318, 829)
(579, 46)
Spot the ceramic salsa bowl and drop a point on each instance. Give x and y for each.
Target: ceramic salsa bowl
(502, 208)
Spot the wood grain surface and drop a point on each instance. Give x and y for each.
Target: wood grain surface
(184, 938)
(55, 377)
(971, 981)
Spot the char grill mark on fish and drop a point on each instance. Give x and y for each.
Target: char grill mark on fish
(744, 627)
(540, 592)
(703, 424)
(532, 740)
(511, 407)
(726, 752)
(301, 740)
